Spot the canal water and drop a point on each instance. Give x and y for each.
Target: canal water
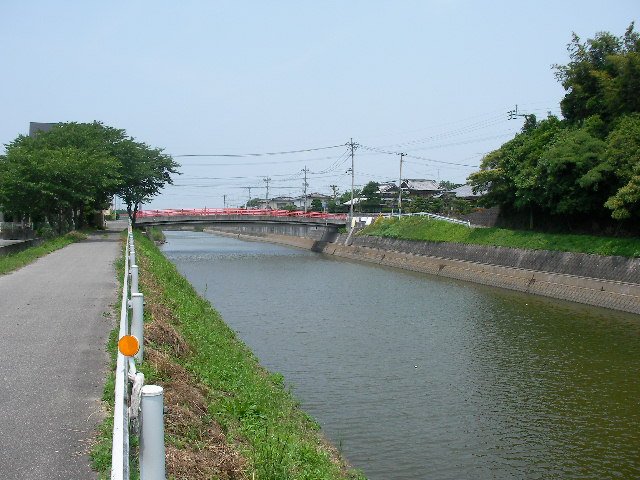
(415, 377)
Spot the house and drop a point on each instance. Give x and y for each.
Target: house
(420, 187)
(388, 192)
(300, 201)
(275, 203)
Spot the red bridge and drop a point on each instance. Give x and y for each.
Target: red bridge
(237, 211)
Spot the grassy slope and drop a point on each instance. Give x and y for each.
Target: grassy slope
(256, 415)
(420, 228)
(20, 259)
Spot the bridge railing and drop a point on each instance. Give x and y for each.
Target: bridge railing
(238, 211)
(138, 408)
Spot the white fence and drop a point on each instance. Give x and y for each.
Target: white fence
(434, 216)
(138, 408)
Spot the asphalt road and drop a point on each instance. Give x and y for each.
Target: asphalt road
(55, 317)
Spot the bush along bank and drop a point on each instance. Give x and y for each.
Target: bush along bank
(227, 417)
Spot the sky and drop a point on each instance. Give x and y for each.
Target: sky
(434, 79)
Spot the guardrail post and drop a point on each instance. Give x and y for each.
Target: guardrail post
(137, 322)
(134, 279)
(152, 462)
(132, 255)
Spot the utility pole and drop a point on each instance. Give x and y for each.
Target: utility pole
(400, 186)
(267, 180)
(248, 188)
(304, 187)
(353, 147)
(224, 201)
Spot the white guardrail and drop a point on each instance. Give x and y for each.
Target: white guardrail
(139, 408)
(432, 215)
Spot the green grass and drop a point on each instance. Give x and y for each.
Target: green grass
(421, 228)
(20, 259)
(259, 416)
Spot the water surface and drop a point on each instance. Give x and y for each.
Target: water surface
(416, 377)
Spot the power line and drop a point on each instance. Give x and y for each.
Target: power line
(257, 154)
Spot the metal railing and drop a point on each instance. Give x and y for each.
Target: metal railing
(432, 215)
(138, 408)
(238, 211)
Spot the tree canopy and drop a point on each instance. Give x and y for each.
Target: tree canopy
(63, 175)
(586, 166)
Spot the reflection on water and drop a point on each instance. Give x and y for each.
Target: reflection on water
(422, 378)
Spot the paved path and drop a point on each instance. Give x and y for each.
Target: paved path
(53, 331)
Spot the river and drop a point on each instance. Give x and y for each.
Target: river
(415, 377)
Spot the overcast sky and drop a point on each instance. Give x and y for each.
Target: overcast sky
(432, 78)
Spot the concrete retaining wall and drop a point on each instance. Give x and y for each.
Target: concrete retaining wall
(611, 268)
(605, 281)
(8, 249)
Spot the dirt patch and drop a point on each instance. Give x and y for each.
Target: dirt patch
(161, 333)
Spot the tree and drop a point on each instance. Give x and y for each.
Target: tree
(316, 205)
(622, 159)
(54, 185)
(567, 171)
(586, 167)
(144, 171)
(602, 77)
(79, 167)
(372, 199)
(447, 185)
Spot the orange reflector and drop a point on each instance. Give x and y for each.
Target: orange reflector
(128, 345)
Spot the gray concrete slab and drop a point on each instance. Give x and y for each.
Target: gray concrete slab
(54, 319)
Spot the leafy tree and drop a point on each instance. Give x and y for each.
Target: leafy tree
(316, 205)
(253, 203)
(333, 207)
(424, 204)
(587, 166)
(372, 199)
(622, 159)
(447, 185)
(602, 77)
(54, 184)
(566, 170)
(144, 171)
(79, 167)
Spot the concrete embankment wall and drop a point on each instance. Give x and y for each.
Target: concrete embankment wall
(609, 282)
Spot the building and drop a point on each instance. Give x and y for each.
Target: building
(420, 187)
(299, 202)
(464, 192)
(35, 127)
(275, 203)
(388, 192)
